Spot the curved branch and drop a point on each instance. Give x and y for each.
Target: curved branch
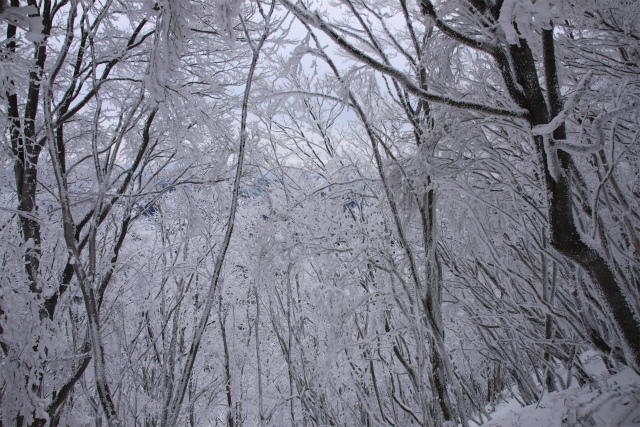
(430, 11)
(315, 21)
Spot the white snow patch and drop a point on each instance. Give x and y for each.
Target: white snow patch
(616, 403)
(529, 16)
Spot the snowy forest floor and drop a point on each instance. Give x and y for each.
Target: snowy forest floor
(610, 401)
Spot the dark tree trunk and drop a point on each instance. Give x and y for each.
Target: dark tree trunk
(565, 237)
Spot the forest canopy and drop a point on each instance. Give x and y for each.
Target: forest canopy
(315, 213)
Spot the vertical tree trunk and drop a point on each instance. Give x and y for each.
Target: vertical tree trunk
(226, 363)
(290, 343)
(547, 296)
(26, 150)
(258, 364)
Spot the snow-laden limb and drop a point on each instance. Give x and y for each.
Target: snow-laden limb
(554, 164)
(529, 17)
(557, 121)
(571, 147)
(571, 103)
(403, 79)
(24, 17)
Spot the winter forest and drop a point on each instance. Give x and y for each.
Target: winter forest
(300, 213)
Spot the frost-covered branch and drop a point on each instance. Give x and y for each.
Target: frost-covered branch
(316, 21)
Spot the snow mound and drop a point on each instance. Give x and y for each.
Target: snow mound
(615, 402)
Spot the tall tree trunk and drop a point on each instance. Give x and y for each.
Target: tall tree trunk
(227, 365)
(258, 361)
(557, 172)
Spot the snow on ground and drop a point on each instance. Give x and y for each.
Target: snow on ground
(612, 401)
